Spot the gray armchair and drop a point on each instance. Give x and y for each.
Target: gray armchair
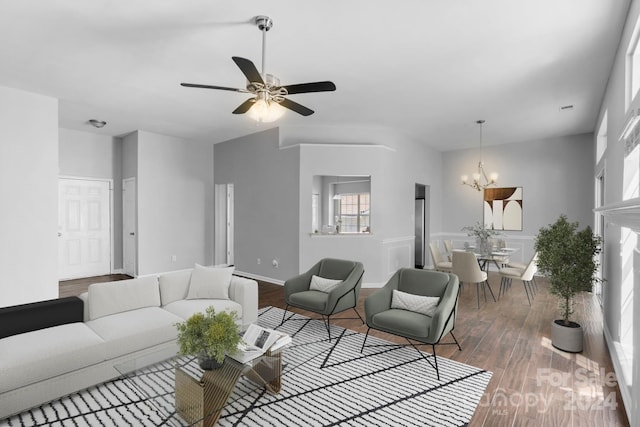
(342, 297)
(413, 325)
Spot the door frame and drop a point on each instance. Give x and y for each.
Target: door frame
(111, 212)
(135, 254)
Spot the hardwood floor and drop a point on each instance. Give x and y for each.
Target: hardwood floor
(533, 384)
(68, 288)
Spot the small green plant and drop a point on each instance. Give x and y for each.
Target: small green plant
(567, 257)
(209, 334)
(480, 231)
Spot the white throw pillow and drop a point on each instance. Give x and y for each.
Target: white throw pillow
(417, 303)
(323, 285)
(210, 282)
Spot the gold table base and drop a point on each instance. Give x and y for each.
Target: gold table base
(200, 402)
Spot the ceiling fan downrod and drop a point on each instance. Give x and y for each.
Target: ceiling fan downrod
(264, 24)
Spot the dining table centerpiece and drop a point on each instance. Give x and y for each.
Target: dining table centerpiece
(483, 236)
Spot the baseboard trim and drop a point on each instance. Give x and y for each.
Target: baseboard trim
(620, 378)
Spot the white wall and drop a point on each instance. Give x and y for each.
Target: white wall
(175, 203)
(29, 194)
(90, 155)
(613, 165)
(394, 173)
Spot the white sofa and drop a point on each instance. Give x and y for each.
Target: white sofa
(124, 322)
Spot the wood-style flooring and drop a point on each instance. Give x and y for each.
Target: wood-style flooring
(533, 383)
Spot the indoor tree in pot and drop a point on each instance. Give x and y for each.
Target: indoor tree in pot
(209, 336)
(567, 257)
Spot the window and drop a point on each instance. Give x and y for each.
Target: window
(354, 213)
(341, 204)
(633, 67)
(601, 140)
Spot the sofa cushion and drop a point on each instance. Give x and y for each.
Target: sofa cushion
(123, 295)
(186, 308)
(38, 355)
(23, 318)
(135, 330)
(174, 286)
(210, 282)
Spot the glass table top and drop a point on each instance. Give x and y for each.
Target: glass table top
(177, 392)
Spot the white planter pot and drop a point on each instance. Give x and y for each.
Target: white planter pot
(566, 338)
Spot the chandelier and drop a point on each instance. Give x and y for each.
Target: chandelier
(480, 179)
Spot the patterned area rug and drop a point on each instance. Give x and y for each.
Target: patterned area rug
(336, 386)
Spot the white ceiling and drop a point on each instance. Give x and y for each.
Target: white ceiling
(426, 68)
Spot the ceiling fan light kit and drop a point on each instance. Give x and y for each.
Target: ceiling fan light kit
(269, 97)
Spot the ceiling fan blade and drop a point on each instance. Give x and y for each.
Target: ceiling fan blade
(294, 106)
(310, 87)
(232, 89)
(248, 69)
(244, 107)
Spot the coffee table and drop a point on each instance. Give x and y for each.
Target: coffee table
(182, 394)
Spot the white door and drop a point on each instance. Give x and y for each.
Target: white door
(129, 227)
(84, 228)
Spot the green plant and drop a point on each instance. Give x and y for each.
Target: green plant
(209, 334)
(567, 256)
(479, 230)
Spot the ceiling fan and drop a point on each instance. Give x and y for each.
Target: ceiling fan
(269, 95)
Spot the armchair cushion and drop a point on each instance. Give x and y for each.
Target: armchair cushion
(416, 303)
(323, 284)
(429, 329)
(403, 322)
(348, 277)
(315, 301)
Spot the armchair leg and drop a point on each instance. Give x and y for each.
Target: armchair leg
(354, 309)
(456, 341)
(284, 315)
(435, 360)
(365, 340)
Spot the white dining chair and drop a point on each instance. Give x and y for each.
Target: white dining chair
(523, 266)
(439, 262)
(466, 267)
(448, 247)
(507, 275)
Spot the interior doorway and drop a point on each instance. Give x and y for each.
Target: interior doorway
(421, 224)
(84, 228)
(129, 227)
(223, 229)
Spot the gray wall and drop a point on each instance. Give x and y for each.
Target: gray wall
(266, 218)
(29, 194)
(273, 178)
(175, 203)
(556, 176)
(89, 155)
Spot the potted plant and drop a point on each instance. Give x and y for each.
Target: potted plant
(567, 257)
(482, 235)
(209, 336)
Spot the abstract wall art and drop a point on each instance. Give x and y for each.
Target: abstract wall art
(503, 208)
